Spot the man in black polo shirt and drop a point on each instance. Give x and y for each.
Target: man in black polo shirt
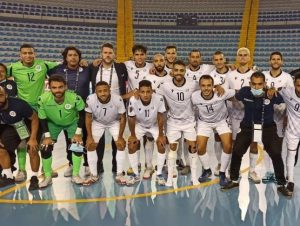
(257, 125)
(13, 129)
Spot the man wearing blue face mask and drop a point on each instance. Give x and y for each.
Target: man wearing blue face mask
(257, 126)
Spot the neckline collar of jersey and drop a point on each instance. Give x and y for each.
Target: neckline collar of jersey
(213, 94)
(182, 83)
(276, 75)
(243, 72)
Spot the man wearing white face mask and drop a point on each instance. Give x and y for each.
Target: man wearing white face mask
(257, 126)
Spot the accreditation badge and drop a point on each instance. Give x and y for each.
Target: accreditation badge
(21, 129)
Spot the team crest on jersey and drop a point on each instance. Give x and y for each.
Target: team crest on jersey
(68, 106)
(80, 69)
(139, 109)
(38, 68)
(9, 86)
(267, 102)
(12, 113)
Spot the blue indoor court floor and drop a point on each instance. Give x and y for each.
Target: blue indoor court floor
(108, 204)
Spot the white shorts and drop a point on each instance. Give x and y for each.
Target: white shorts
(292, 141)
(175, 131)
(280, 129)
(98, 130)
(149, 132)
(235, 127)
(205, 128)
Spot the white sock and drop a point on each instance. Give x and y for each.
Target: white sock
(8, 173)
(120, 157)
(92, 158)
(225, 159)
(133, 160)
(194, 161)
(171, 163)
(149, 147)
(204, 159)
(268, 163)
(218, 150)
(160, 162)
(253, 159)
(290, 160)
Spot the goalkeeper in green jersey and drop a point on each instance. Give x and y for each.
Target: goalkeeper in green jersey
(58, 110)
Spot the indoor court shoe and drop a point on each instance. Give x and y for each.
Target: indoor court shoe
(230, 185)
(46, 182)
(4, 181)
(160, 180)
(133, 179)
(69, 171)
(223, 180)
(120, 179)
(252, 176)
(148, 173)
(77, 180)
(169, 182)
(90, 180)
(269, 178)
(284, 191)
(34, 183)
(21, 176)
(185, 171)
(290, 188)
(205, 176)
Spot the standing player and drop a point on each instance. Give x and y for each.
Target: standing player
(9, 85)
(146, 117)
(30, 75)
(13, 129)
(291, 96)
(181, 119)
(213, 115)
(276, 78)
(238, 79)
(60, 110)
(170, 57)
(105, 111)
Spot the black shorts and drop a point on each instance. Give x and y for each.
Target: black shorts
(9, 138)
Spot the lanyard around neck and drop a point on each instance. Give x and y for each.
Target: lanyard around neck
(111, 72)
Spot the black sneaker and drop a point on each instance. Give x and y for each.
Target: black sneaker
(34, 183)
(290, 188)
(4, 181)
(206, 176)
(230, 185)
(284, 191)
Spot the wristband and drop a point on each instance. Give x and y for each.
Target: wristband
(47, 135)
(78, 131)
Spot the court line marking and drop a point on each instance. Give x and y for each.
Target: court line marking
(115, 198)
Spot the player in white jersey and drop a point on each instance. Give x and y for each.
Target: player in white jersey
(238, 79)
(291, 96)
(138, 68)
(170, 57)
(105, 111)
(181, 119)
(196, 69)
(276, 78)
(220, 75)
(213, 116)
(146, 118)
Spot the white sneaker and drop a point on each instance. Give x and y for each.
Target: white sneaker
(69, 171)
(90, 180)
(148, 173)
(46, 182)
(195, 181)
(120, 179)
(87, 171)
(133, 179)
(160, 180)
(217, 170)
(169, 182)
(77, 180)
(21, 176)
(252, 176)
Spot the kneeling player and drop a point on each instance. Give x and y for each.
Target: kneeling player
(146, 118)
(105, 111)
(212, 116)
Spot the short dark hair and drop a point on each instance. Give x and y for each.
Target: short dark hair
(145, 83)
(258, 74)
(179, 62)
(170, 47)
(296, 76)
(101, 83)
(276, 53)
(194, 51)
(4, 66)
(108, 45)
(139, 47)
(26, 45)
(208, 77)
(67, 49)
(57, 78)
(218, 52)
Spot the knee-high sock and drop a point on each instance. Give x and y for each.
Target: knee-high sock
(160, 162)
(253, 159)
(225, 159)
(204, 159)
(193, 161)
(290, 160)
(21, 153)
(92, 159)
(133, 160)
(47, 166)
(149, 147)
(76, 164)
(120, 157)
